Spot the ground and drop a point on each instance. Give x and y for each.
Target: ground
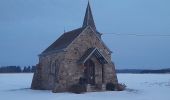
(139, 87)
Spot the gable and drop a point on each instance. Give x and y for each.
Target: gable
(101, 41)
(89, 53)
(95, 33)
(87, 39)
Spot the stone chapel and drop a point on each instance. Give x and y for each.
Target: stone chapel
(76, 57)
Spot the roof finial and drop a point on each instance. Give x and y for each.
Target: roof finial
(88, 19)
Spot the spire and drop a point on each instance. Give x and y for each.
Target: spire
(88, 19)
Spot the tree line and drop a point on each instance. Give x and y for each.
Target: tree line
(17, 69)
(143, 71)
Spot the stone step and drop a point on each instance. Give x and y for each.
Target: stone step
(95, 88)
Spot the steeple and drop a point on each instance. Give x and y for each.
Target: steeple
(88, 19)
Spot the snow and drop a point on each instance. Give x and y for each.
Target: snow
(139, 87)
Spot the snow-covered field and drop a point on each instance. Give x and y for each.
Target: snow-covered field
(139, 87)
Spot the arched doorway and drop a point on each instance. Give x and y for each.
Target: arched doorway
(89, 72)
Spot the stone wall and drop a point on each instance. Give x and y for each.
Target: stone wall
(48, 70)
(67, 70)
(73, 70)
(88, 39)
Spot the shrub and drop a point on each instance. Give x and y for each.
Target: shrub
(120, 87)
(110, 86)
(78, 88)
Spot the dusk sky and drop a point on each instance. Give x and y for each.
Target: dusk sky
(142, 28)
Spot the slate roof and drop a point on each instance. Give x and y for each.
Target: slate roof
(64, 40)
(88, 19)
(96, 53)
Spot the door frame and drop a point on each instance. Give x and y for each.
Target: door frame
(89, 72)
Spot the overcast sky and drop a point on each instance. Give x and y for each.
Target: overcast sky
(27, 27)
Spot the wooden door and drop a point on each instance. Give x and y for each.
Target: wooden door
(90, 72)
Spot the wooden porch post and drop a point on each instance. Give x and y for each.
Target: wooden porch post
(102, 73)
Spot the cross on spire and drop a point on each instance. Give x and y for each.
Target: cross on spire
(88, 19)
